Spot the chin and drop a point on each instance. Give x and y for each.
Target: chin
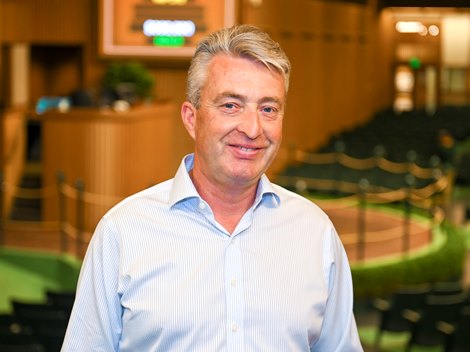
(246, 178)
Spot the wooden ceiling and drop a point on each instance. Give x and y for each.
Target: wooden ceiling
(424, 3)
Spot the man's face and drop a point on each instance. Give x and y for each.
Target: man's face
(238, 126)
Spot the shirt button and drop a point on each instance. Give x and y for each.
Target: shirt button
(233, 282)
(235, 328)
(202, 206)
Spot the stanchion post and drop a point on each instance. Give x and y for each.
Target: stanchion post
(410, 181)
(62, 212)
(291, 151)
(379, 153)
(80, 187)
(437, 174)
(361, 221)
(340, 147)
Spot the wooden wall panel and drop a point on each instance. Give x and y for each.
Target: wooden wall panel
(114, 154)
(17, 20)
(340, 68)
(56, 21)
(333, 52)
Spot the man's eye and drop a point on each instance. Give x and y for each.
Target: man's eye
(229, 106)
(270, 112)
(268, 109)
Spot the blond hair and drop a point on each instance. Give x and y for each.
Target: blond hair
(244, 41)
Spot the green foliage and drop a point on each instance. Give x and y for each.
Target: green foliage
(445, 264)
(130, 73)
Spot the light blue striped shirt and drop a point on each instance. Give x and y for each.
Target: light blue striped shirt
(161, 274)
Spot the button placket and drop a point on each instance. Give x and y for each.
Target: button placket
(234, 296)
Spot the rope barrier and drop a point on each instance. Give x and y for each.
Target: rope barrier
(361, 194)
(361, 163)
(391, 166)
(337, 204)
(68, 191)
(314, 158)
(88, 197)
(377, 195)
(97, 199)
(344, 195)
(357, 164)
(72, 232)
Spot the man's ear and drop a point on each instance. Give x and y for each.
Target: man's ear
(188, 115)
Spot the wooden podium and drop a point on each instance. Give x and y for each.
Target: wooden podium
(114, 154)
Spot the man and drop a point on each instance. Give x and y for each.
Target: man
(218, 258)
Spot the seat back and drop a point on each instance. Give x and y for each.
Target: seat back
(447, 288)
(410, 297)
(438, 308)
(459, 340)
(47, 323)
(61, 299)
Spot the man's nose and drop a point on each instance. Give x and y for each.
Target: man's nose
(250, 123)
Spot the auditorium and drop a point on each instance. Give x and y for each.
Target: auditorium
(375, 132)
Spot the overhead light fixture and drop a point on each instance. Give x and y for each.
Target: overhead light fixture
(433, 30)
(410, 27)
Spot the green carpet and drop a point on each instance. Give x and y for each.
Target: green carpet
(466, 233)
(27, 275)
(21, 284)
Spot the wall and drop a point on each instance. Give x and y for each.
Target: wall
(114, 154)
(333, 49)
(338, 79)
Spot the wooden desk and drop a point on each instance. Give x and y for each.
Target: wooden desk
(114, 154)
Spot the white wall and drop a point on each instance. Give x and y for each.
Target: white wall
(456, 40)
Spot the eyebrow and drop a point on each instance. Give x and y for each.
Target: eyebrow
(243, 98)
(229, 95)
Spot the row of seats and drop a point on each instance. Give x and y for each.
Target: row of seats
(432, 314)
(36, 326)
(412, 136)
(398, 133)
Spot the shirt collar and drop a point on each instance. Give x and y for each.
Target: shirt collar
(183, 188)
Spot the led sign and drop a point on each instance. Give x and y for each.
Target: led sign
(160, 28)
(153, 28)
(168, 41)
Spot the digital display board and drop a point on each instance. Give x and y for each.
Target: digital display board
(159, 28)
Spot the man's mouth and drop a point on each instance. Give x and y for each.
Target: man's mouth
(246, 149)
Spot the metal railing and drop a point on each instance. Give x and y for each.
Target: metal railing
(429, 200)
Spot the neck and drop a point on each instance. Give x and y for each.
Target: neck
(228, 202)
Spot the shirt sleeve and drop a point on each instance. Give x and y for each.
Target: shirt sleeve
(95, 321)
(339, 331)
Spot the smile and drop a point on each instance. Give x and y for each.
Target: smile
(245, 149)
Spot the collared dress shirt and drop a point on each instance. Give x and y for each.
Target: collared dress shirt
(161, 274)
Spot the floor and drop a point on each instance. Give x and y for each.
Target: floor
(47, 237)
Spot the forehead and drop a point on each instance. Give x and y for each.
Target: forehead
(243, 76)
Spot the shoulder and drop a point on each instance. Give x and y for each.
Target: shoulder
(291, 201)
(153, 197)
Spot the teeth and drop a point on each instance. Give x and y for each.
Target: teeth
(246, 149)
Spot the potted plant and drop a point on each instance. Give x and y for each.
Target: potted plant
(129, 81)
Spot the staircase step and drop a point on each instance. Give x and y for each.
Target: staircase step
(25, 214)
(26, 209)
